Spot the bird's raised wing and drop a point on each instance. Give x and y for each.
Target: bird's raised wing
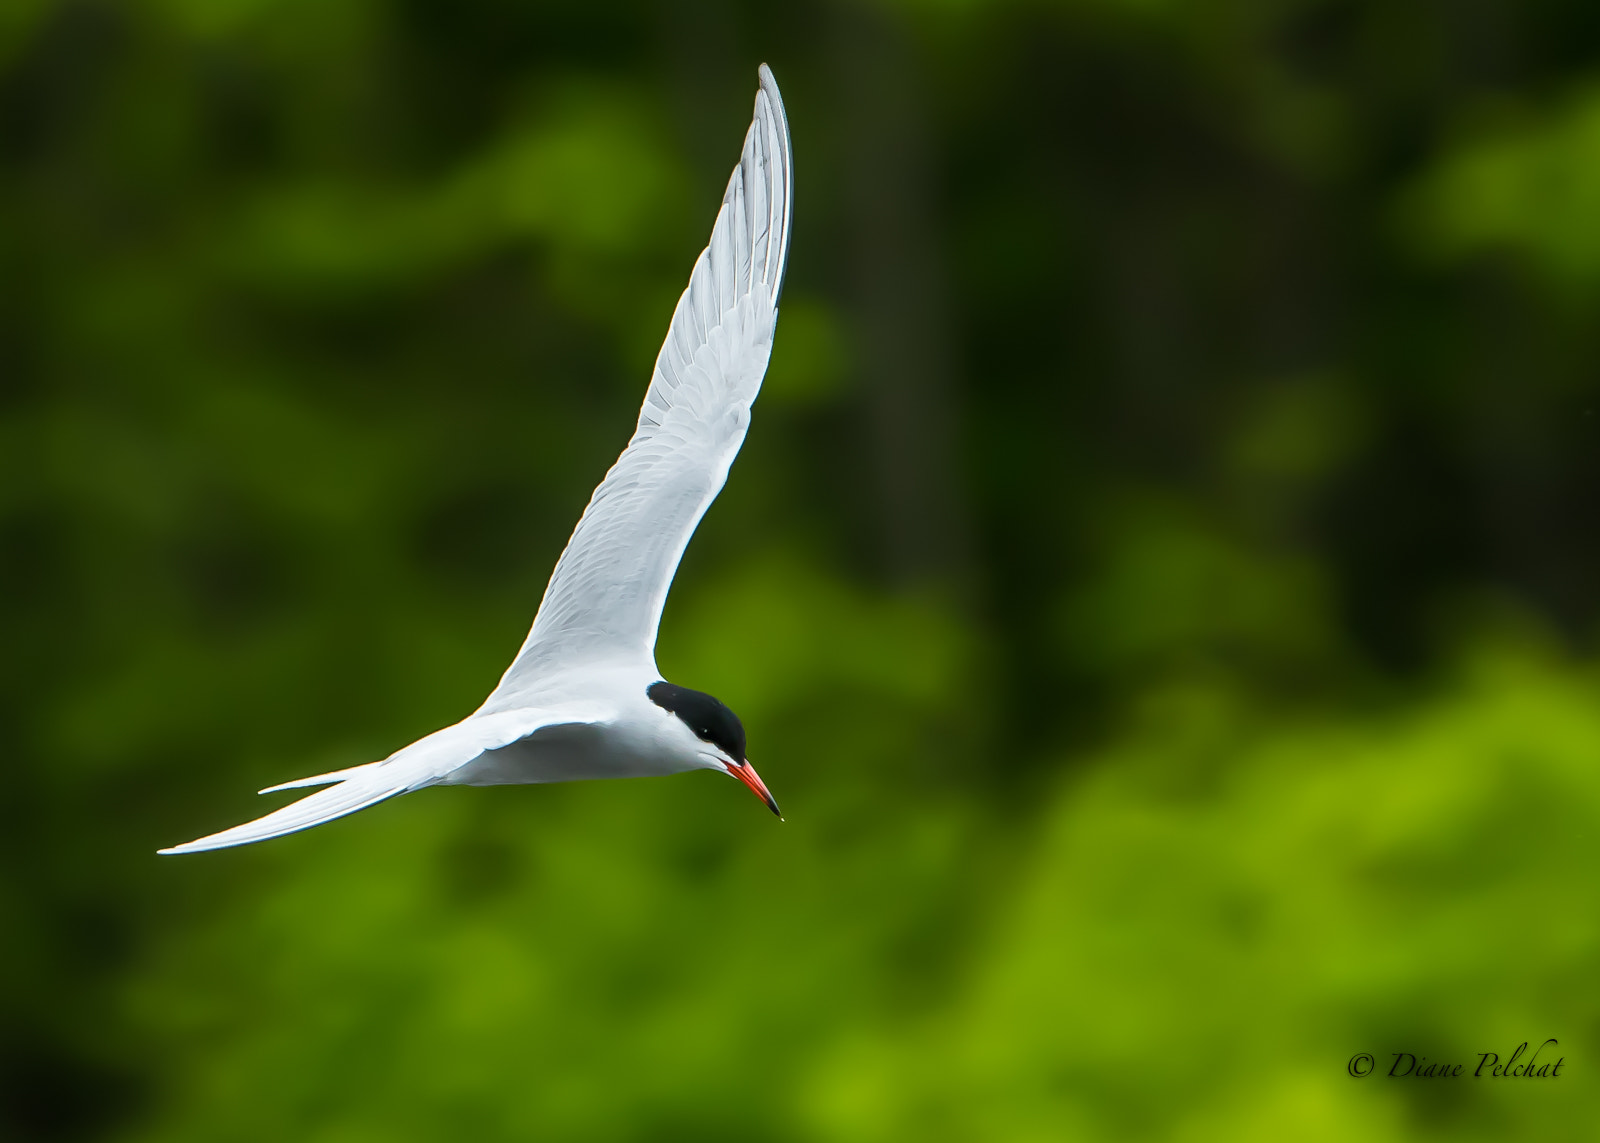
(604, 601)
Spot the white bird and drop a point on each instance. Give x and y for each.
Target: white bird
(583, 698)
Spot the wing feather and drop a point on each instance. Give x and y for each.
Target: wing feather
(603, 603)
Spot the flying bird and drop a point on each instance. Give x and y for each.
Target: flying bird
(583, 698)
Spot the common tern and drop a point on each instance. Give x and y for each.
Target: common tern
(583, 698)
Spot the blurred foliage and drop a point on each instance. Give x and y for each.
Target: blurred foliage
(1527, 188)
(1158, 584)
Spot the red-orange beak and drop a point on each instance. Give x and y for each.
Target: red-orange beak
(746, 773)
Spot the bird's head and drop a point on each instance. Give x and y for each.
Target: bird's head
(719, 730)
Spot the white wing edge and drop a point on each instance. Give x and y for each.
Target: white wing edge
(783, 152)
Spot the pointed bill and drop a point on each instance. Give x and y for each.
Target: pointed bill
(746, 773)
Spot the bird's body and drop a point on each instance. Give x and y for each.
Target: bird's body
(583, 698)
(612, 730)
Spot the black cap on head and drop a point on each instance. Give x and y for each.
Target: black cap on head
(710, 720)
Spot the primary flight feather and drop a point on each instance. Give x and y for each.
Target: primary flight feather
(583, 697)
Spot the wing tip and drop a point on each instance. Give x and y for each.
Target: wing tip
(785, 155)
(768, 87)
(221, 840)
(198, 845)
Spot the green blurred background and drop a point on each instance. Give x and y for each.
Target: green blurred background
(1159, 583)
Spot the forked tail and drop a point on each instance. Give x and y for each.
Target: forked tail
(367, 787)
(423, 763)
